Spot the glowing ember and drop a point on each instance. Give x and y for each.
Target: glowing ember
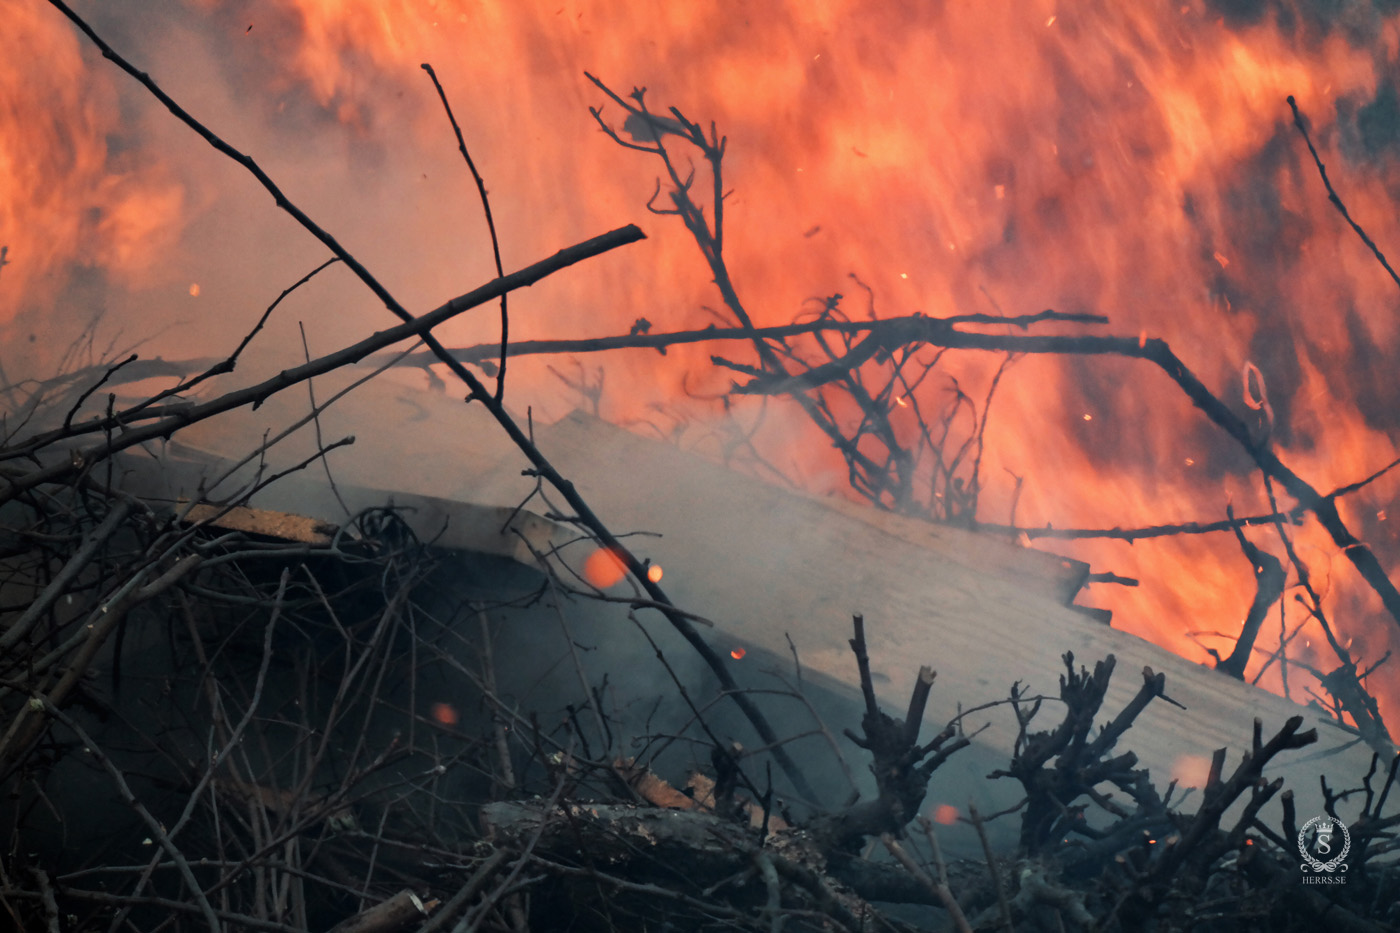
(603, 569)
(444, 713)
(654, 573)
(737, 653)
(945, 814)
(194, 289)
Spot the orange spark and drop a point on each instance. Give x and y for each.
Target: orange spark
(654, 573)
(603, 568)
(737, 654)
(1221, 259)
(445, 713)
(194, 289)
(945, 814)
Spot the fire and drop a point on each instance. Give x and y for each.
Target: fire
(1132, 159)
(68, 201)
(737, 653)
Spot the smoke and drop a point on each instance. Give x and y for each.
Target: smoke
(1134, 161)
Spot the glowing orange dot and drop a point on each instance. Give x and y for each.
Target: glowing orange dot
(737, 653)
(1088, 417)
(194, 289)
(445, 713)
(603, 568)
(1191, 770)
(654, 573)
(945, 814)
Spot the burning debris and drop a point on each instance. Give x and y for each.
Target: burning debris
(360, 720)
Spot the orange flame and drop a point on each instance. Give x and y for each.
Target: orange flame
(1138, 158)
(69, 201)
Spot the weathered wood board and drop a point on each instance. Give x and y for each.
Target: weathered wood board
(764, 564)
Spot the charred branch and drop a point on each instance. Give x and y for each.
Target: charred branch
(902, 767)
(1269, 580)
(1080, 763)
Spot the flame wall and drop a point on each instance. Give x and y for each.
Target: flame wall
(1130, 159)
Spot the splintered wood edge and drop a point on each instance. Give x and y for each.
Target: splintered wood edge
(285, 526)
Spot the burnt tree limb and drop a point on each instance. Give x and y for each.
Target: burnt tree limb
(1269, 581)
(698, 857)
(1080, 764)
(1182, 864)
(901, 765)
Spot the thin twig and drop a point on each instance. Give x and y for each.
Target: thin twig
(938, 888)
(156, 830)
(1332, 194)
(490, 225)
(997, 885)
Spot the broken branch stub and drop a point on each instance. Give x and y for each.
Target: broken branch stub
(901, 766)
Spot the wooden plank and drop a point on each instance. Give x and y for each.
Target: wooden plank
(1061, 578)
(764, 563)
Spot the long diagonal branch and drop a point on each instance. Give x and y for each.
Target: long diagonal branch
(477, 392)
